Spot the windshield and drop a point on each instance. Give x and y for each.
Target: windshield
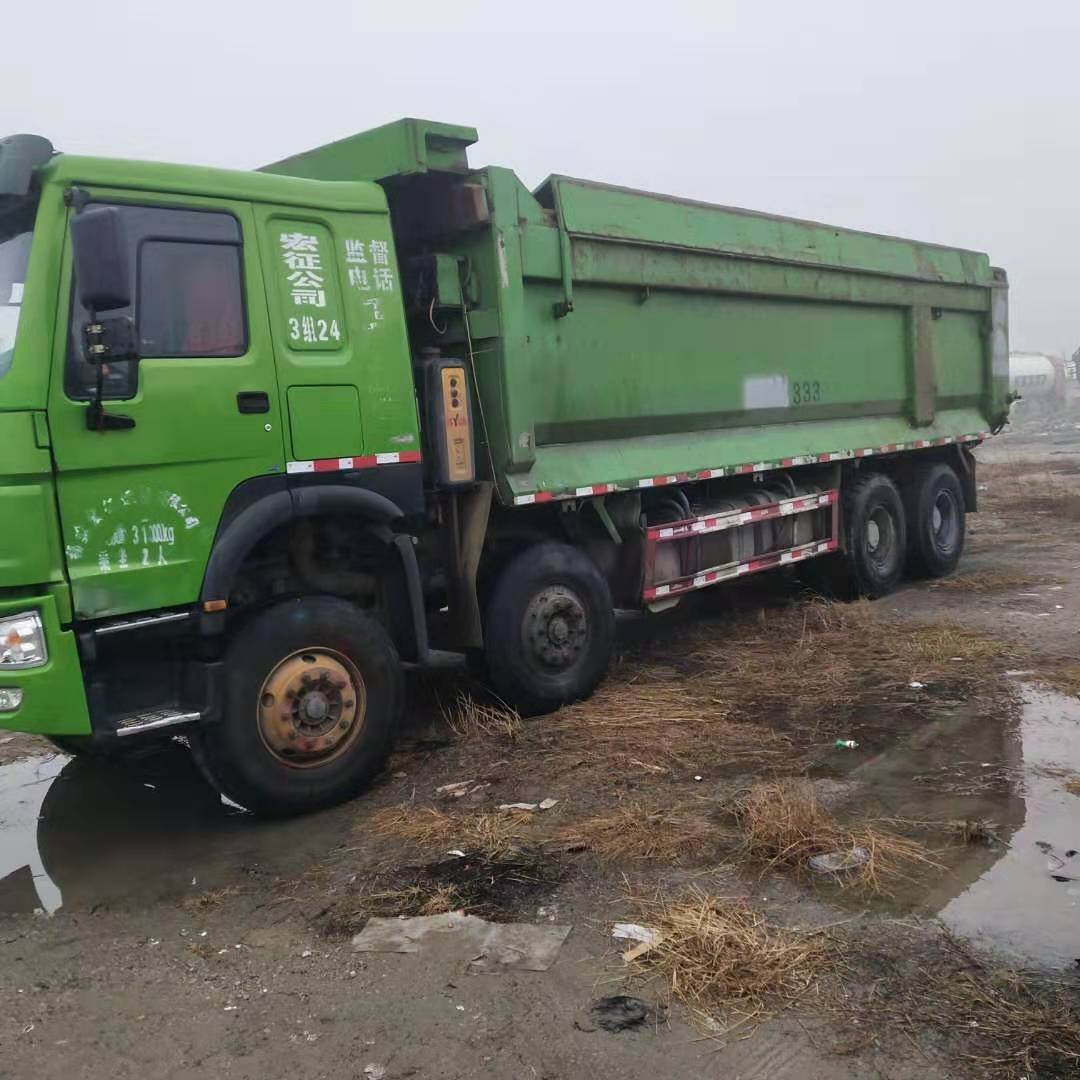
(16, 225)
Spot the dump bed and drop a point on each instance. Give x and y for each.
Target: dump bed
(619, 337)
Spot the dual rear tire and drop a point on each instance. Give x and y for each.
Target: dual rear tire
(918, 530)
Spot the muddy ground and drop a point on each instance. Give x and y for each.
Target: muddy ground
(148, 930)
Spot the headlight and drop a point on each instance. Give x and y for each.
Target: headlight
(22, 642)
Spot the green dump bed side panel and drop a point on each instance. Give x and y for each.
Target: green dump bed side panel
(635, 336)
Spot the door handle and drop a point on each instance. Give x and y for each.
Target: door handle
(253, 401)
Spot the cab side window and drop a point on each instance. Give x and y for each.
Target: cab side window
(189, 295)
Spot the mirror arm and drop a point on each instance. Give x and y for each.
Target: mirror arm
(97, 419)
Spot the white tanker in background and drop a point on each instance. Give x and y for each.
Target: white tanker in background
(1041, 380)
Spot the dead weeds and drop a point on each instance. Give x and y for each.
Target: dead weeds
(212, 898)
(348, 915)
(654, 719)
(493, 833)
(637, 831)
(998, 1021)
(494, 888)
(820, 656)
(784, 825)
(468, 718)
(725, 962)
(994, 579)
(1064, 677)
(1035, 491)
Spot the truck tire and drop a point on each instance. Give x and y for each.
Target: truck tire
(935, 512)
(875, 527)
(549, 629)
(313, 695)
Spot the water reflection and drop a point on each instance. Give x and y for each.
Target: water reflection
(84, 834)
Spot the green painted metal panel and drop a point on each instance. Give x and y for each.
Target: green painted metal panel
(29, 534)
(402, 148)
(54, 701)
(615, 213)
(323, 419)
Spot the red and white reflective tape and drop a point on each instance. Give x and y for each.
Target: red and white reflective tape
(742, 470)
(342, 464)
(734, 570)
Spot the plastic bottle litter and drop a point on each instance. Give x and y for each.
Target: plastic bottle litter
(836, 862)
(846, 744)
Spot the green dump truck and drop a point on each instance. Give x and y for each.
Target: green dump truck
(269, 438)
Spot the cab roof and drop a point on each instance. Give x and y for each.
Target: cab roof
(347, 195)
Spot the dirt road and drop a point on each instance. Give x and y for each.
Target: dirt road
(150, 931)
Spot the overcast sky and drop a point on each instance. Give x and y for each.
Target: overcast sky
(954, 121)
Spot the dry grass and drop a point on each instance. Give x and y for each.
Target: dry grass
(471, 719)
(348, 915)
(1073, 786)
(1064, 677)
(212, 898)
(1018, 489)
(818, 656)
(998, 1022)
(723, 960)
(636, 831)
(492, 834)
(784, 825)
(651, 718)
(976, 831)
(990, 580)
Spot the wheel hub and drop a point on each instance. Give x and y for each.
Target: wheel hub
(880, 536)
(311, 707)
(944, 519)
(555, 627)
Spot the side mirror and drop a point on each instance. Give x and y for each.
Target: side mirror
(102, 259)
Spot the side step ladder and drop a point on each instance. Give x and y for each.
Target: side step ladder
(154, 720)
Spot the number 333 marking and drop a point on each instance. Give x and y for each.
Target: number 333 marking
(805, 393)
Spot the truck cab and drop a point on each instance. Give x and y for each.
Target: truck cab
(270, 370)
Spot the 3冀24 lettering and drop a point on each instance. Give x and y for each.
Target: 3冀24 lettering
(309, 329)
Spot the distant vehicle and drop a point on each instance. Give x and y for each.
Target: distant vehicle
(1040, 380)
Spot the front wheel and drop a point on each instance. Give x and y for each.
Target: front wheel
(550, 628)
(312, 700)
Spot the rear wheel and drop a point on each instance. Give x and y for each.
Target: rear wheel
(313, 696)
(550, 628)
(936, 527)
(876, 535)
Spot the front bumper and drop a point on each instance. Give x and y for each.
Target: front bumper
(54, 699)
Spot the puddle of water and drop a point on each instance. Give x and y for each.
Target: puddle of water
(1016, 905)
(78, 834)
(1010, 770)
(24, 882)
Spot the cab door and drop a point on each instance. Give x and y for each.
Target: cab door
(140, 507)
(343, 361)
